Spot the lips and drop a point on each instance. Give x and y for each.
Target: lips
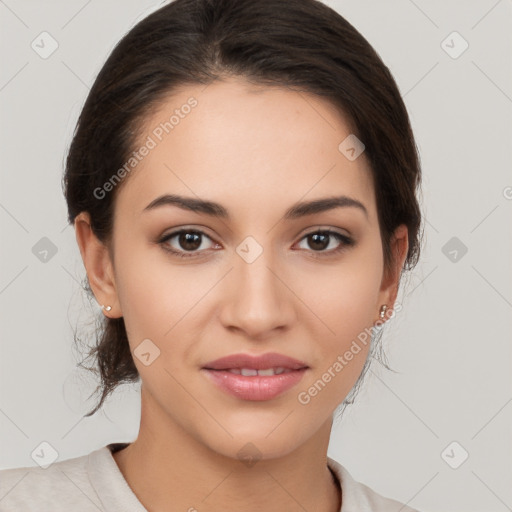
(257, 378)
(267, 361)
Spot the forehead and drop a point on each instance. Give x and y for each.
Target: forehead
(247, 145)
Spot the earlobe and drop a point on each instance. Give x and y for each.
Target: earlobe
(97, 263)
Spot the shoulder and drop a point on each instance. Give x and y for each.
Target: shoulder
(60, 486)
(361, 498)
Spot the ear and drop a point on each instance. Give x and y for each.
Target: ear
(391, 278)
(98, 265)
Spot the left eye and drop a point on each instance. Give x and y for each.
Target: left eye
(320, 240)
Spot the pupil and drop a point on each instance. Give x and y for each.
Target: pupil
(187, 241)
(316, 238)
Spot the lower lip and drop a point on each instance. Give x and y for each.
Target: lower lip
(255, 388)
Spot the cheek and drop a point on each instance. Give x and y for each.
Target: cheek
(341, 348)
(149, 294)
(343, 297)
(344, 300)
(162, 302)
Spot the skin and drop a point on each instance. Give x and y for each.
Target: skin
(257, 151)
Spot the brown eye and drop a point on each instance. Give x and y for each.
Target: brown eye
(320, 241)
(187, 242)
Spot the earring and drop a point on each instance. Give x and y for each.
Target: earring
(383, 309)
(106, 308)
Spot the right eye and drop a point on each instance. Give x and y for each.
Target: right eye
(188, 242)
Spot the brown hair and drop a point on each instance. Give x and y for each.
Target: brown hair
(300, 44)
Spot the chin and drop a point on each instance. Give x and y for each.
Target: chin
(257, 440)
(251, 450)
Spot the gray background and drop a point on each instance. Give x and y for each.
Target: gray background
(451, 343)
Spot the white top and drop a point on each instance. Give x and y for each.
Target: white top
(93, 482)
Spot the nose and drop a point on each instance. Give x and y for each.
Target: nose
(258, 299)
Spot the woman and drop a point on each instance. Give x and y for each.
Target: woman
(242, 182)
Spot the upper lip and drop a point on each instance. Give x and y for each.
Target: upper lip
(262, 362)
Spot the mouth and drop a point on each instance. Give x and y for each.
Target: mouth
(251, 372)
(255, 386)
(265, 362)
(255, 378)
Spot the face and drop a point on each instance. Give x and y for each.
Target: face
(252, 276)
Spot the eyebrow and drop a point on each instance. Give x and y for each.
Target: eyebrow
(296, 211)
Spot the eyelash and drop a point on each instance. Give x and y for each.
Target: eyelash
(346, 242)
